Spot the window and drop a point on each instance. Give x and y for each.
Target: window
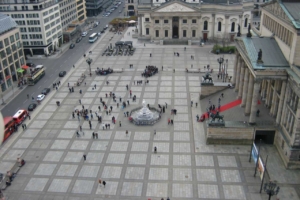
(205, 25)
(6, 41)
(166, 21)
(219, 26)
(246, 22)
(184, 33)
(2, 54)
(10, 60)
(166, 33)
(232, 26)
(146, 19)
(193, 33)
(1, 45)
(16, 56)
(14, 47)
(184, 21)
(17, 36)
(156, 33)
(8, 51)
(194, 21)
(12, 39)
(156, 21)
(147, 31)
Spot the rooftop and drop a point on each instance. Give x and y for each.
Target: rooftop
(272, 55)
(6, 23)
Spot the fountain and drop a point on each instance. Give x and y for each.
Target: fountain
(144, 115)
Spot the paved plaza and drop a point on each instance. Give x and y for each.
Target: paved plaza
(184, 166)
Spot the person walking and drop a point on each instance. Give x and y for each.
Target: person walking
(104, 183)
(120, 123)
(100, 182)
(84, 157)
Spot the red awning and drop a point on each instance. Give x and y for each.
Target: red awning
(25, 67)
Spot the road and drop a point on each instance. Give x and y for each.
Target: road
(54, 66)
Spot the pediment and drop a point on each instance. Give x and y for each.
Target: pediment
(175, 7)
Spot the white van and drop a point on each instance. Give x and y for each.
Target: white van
(84, 34)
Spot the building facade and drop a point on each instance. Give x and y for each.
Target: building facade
(81, 10)
(93, 7)
(68, 13)
(275, 76)
(193, 20)
(131, 7)
(39, 23)
(11, 53)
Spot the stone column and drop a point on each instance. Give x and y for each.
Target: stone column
(249, 95)
(269, 92)
(213, 25)
(238, 74)
(255, 95)
(235, 68)
(284, 105)
(282, 100)
(245, 88)
(274, 97)
(140, 25)
(241, 81)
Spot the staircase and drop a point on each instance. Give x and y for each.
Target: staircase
(176, 42)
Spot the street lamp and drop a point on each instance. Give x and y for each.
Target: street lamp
(220, 61)
(271, 189)
(89, 61)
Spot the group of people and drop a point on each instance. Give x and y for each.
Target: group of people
(102, 71)
(150, 71)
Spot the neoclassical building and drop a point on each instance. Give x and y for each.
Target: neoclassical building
(274, 78)
(193, 19)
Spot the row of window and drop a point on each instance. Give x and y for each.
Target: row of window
(33, 43)
(17, 16)
(67, 8)
(46, 20)
(35, 15)
(9, 59)
(10, 40)
(166, 21)
(280, 31)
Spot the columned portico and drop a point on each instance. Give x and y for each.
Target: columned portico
(245, 88)
(255, 95)
(238, 74)
(241, 81)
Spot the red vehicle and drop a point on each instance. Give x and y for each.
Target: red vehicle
(9, 125)
(20, 116)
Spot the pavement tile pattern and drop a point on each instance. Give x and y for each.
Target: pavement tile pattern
(184, 166)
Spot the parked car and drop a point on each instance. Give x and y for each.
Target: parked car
(32, 106)
(84, 34)
(40, 97)
(99, 34)
(62, 73)
(103, 31)
(78, 39)
(72, 46)
(30, 64)
(45, 91)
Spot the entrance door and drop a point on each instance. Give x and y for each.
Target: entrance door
(204, 36)
(175, 25)
(267, 137)
(175, 31)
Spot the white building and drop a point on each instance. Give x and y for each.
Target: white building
(39, 22)
(11, 53)
(68, 13)
(193, 20)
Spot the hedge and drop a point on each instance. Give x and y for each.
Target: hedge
(220, 49)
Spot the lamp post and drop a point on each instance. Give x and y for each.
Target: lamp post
(220, 61)
(271, 189)
(89, 61)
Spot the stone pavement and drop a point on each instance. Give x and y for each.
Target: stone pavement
(184, 167)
